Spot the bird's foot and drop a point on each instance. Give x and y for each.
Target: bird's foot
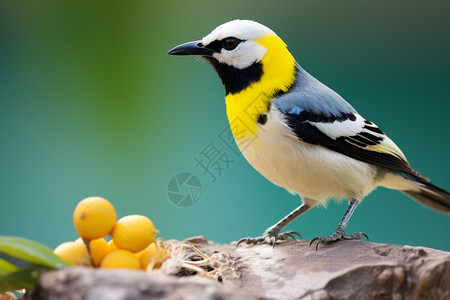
(338, 235)
(270, 236)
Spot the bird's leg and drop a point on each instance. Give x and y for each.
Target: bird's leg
(272, 234)
(339, 233)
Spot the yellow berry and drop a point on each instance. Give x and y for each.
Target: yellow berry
(74, 253)
(94, 218)
(123, 259)
(155, 253)
(112, 246)
(134, 233)
(99, 249)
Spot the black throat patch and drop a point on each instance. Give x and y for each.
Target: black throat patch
(234, 79)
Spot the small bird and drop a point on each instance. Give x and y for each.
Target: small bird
(300, 134)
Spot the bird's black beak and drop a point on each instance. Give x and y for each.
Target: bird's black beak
(191, 48)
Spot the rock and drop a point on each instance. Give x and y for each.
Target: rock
(291, 270)
(89, 284)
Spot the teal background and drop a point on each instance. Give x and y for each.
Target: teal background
(91, 105)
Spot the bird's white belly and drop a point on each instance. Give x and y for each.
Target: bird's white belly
(309, 170)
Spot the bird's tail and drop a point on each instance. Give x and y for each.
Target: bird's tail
(428, 193)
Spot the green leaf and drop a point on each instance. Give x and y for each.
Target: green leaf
(22, 252)
(22, 279)
(6, 267)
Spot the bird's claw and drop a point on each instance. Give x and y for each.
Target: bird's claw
(270, 238)
(337, 236)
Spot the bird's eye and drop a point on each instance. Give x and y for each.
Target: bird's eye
(230, 43)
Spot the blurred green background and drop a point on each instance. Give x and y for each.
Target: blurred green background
(90, 104)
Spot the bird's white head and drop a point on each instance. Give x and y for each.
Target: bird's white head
(236, 43)
(244, 52)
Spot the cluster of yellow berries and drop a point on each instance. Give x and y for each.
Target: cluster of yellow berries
(133, 242)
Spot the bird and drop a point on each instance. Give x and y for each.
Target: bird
(300, 134)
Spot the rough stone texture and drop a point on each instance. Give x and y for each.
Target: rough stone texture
(293, 270)
(88, 284)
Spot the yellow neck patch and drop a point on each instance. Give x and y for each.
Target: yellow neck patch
(245, 107)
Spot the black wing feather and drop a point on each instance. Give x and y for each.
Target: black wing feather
(309, 133)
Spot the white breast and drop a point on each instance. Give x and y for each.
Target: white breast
(309, 170)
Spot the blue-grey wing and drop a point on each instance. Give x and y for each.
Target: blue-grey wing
(307, 93)
(318, 115)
